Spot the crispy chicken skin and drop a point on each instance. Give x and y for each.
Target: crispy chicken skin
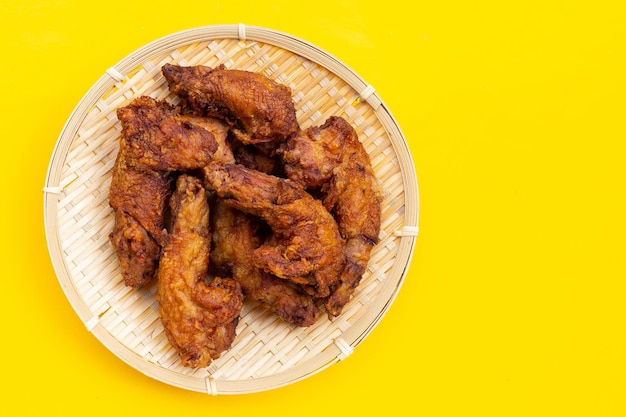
(141, 193)
(262, 109)
(137, 252)
(305, 247)
(310, 156)
(235, 235)
(139, 198)
(331, 156)
(295, 212)
(158, 138)
(354, 199)
(223, 153)
(199, 319)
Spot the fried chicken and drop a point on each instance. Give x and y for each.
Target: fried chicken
(223, 153)
(295, 216)
(331, 156)
(305, 247)
(354, 199)
(139, 198)
(262, 109)
(137, 252)
(199, 319)
(310, 156)
(160, 139)
(230, 150)
(235, 235)
(141, 193)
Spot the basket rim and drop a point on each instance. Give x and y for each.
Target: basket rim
(289, 43)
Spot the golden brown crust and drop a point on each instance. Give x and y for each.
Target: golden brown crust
(306, 246)
(331, 156)
(137, 252)
(355, 201)
(158, 138)
(310, 156)
(262, 108)
(199, 318)
(223, 152)
(141, 193)
(239, 132)
(235, 235)
(139, 199)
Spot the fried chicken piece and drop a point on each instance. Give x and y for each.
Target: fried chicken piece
(199, 319)
(223, 153)
(331, 156)
(305, 247)
(159, 139)
(139, 198)
(141, 193)
(310, 156)
(232, 151)
(355, 200)
(137, 252)
(262, 108)
(235, 235)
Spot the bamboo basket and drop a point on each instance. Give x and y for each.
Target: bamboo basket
(267, 353)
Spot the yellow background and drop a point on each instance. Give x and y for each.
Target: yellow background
(514, 304)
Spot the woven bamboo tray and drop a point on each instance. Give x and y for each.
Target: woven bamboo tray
(267, 353)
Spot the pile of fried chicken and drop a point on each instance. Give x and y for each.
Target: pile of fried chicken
(224, 198)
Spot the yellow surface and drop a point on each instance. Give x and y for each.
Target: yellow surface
(514, 113)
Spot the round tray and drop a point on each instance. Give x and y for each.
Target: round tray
(267, 352)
